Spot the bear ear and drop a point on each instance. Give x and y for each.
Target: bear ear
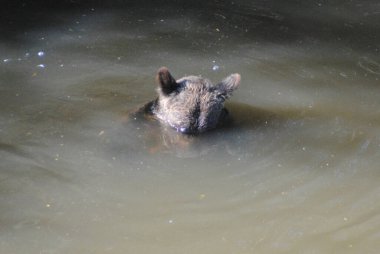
(166, 81)
(228, 85)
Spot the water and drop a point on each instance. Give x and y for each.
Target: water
(298, 172)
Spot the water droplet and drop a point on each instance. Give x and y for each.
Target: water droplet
(215, 67)
(41, 66)
(41, 53)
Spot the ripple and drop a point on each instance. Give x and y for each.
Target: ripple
(369, 65)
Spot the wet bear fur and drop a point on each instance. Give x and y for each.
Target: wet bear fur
(191, 104)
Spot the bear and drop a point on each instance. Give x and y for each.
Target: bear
(191, 104)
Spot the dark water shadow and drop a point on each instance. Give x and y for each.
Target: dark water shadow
(14, 149)
(21, 162)
(219, 21)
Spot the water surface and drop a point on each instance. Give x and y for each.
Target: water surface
(298, 172)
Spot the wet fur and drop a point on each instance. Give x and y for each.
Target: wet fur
(191, 104)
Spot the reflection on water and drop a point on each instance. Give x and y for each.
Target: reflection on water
(296, 171)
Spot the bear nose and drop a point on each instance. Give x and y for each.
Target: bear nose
(185, 130)
(188, 130)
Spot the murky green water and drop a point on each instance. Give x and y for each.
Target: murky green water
(297, 173)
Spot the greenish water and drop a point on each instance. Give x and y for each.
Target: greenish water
(298, 172)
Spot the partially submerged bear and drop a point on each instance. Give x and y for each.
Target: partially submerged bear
(191, 104)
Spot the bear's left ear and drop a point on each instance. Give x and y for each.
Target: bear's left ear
(166, 81)
(228, 85)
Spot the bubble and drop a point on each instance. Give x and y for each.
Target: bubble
(41, 66)
(215, 67)
(41, 53)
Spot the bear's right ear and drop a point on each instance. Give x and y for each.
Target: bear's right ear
(228, 85)
(166, 81)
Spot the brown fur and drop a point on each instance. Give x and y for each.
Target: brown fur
(191, 104)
